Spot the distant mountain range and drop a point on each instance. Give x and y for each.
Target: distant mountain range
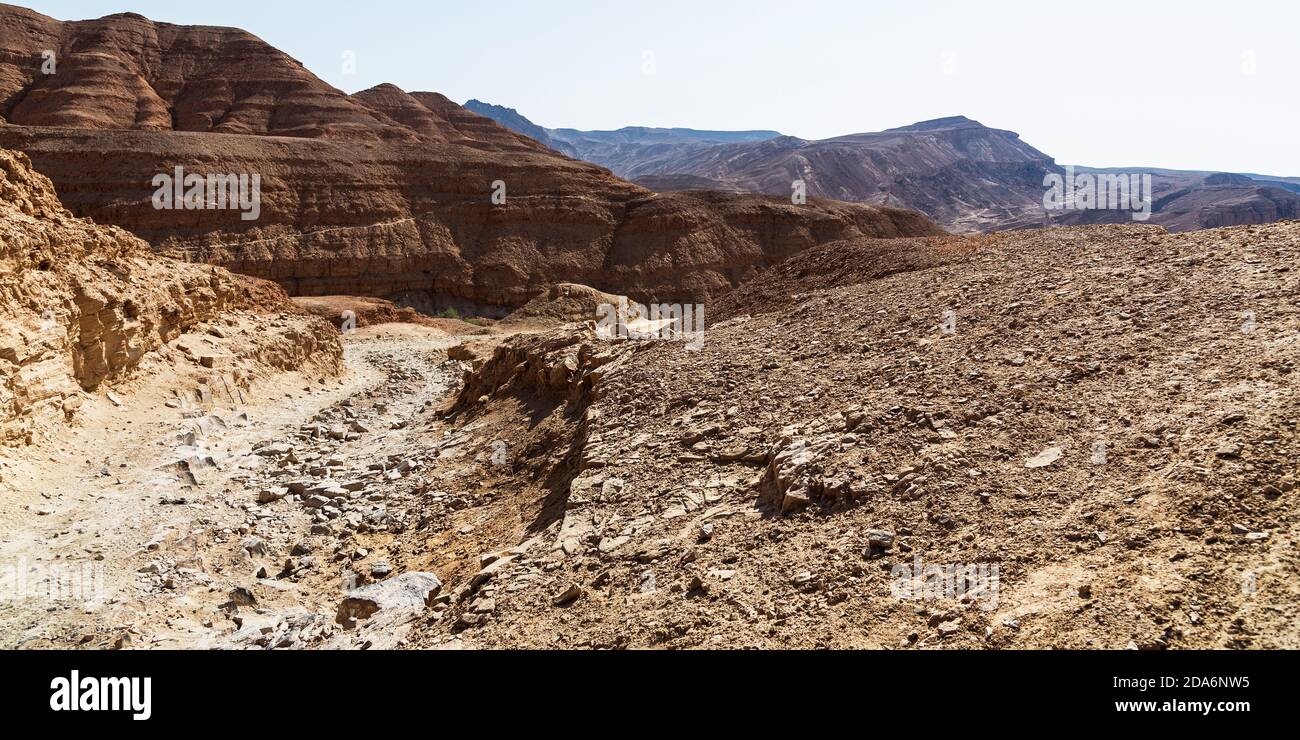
(629, 152)
(963, 174)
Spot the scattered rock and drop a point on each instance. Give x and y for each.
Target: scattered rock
(567, 596)
(1046, 458)
(409, 593)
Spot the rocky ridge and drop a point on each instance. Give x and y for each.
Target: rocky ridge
(966, 176)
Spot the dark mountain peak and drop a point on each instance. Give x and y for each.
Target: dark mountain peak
(513, 120)
(941, 124)
(1220, 179)
(606, 147)
(698, 134)
(478, 106)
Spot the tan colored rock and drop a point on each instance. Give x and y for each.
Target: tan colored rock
(82, 304)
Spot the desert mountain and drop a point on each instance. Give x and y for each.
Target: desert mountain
(1189, 200)
(630, 152)
(1093, 427)
(382, 193)
(1089, 431)
(964, 175)
(511, 119)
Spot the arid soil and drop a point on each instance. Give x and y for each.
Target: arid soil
(153, 498)
(1104, 418)
(353, 312)
(1080, 437)
(1111, 423)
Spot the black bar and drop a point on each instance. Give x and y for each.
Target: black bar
(337, 690)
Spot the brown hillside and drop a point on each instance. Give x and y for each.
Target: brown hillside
(383, 193)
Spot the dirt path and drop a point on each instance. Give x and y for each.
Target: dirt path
(152, 523)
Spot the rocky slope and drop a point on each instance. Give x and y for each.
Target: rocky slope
(1096, 425)
(1090, 431)
(126, 72)
(962, 173)
(404, 221)
(384, 193)
(966, 176)
(81, 306)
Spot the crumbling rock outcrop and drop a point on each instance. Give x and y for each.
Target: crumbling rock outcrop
(81, 305)
(563, 303)
(560, 367)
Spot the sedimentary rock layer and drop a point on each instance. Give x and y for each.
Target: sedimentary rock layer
(382, 193)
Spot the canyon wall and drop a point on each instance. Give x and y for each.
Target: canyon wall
(383, 193)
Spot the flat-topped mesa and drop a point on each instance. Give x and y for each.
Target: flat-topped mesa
(942, 124)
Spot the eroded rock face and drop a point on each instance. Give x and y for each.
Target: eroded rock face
(82, 304)
(125, 71)
(384, 193)
(337, 219)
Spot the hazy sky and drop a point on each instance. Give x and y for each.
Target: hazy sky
(1193, 84)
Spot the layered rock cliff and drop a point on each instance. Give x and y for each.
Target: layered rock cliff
(383, 193)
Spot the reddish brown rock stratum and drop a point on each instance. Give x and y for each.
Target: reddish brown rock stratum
(380, 193)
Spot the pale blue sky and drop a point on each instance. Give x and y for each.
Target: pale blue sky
(1196, 84)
